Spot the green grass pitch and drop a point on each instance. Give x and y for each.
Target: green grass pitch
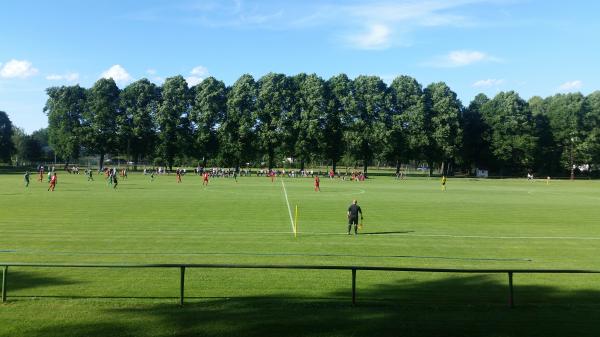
(408, 223)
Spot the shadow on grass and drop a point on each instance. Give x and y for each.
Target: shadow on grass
(384, 233)
(453, 306)
(20, 280)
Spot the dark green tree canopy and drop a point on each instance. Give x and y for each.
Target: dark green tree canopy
(359, 121)
(66, 107)
(6, 144)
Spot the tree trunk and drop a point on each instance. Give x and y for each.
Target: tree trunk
(334, 165)
(301, 164)
(271, 158)
(430, 168)
(137, 159)
(397, 167)
(443, 168)
(101, 163)
(365, 164)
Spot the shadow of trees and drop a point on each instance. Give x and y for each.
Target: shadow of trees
(21, 280)
(472, 305)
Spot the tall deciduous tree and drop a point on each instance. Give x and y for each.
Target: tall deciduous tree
(405, 137)
(367, 129)
(66, 108)
(27, 148)
(172, 117)
(443, 110)
(591, 144)
(339, 107)
(475, 148)
(139, 103)
(208, 111)
(566, 115)
(274, 101)
(100, 119)
(236, 134)
(312, 104)
(6, 131)
(42, 137)
(512, 140)
(546, 154)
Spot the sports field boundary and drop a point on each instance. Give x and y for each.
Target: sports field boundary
(287, 201)
(353, 269)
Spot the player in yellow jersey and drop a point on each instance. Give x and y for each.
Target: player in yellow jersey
(443, 183)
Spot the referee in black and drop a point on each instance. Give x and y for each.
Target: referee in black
(353, 211)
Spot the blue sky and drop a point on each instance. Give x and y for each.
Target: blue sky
(534, 47)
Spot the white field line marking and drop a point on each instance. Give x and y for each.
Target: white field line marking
(288, 205)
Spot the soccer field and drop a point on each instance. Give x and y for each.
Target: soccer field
(408, 223)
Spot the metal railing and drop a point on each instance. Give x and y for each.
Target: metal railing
(182, 268)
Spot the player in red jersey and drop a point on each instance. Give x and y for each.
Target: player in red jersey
(317, 182)
(52, 182)
(205, 179)
(272, 175)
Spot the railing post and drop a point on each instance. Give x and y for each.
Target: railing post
(181, 285)
(4, 278)
(511, 300)
(353, 286)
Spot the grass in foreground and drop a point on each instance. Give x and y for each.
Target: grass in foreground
(410, 223)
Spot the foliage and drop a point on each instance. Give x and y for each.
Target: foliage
(308, 119)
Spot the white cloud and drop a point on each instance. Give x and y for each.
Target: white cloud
(157, 79)
(394, 20)
(193, 80)
(151, 71)
(69, 77)
(117, 73)
(490, 82)
(461, 58)
(197, 75)
(377, 37)
(571, 86)
(365, 24)
(199, 71)
(17, 68)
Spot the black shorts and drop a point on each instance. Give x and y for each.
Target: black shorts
(353, 221)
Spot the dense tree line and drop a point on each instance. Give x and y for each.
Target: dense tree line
(306, 119)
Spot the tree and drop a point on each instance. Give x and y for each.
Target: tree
(339, 107)
(475, 148)
(311, 103)
(590, 147)
(65, 108)
(172, 119)
(27, 148)
(236, 134)
(6, 130)
(566, 115)
(139, 103)
(405, 137)
(42, 138)
(18, 142)
(366, 131)
(274, 101)
(443, 110)
(208, 111)
(511, 138)
(100, 119)
(547, 153)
